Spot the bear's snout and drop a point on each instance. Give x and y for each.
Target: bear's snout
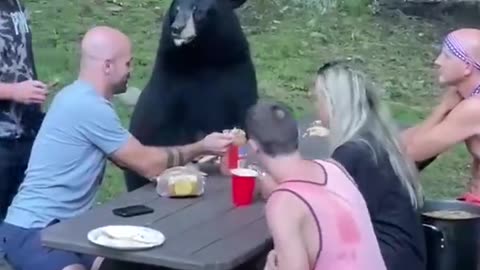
(183, 28)
(176, 29)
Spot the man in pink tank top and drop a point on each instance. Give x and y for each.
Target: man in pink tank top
(316, 215)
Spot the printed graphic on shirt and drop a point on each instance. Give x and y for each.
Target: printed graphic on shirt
(15, 65)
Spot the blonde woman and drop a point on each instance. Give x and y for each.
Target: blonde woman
(364, 140)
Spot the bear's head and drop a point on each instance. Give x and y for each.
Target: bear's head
(187, 18)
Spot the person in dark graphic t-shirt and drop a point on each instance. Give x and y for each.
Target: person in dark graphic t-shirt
(21, 96)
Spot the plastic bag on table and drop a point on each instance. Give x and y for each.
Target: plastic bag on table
(181, 181)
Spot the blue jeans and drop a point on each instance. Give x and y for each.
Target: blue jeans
(24, 251)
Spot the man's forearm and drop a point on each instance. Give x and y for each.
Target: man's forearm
(437, 115)
(180, 155)
(418, 140)
(6, 91)
(435, 118)
(162, 158)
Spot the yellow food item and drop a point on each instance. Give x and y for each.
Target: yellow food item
(183, 185)
(181, 181)
(183, 188)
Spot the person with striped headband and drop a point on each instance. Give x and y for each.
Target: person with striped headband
(456, 119)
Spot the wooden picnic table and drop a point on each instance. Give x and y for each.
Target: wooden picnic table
(202, 233)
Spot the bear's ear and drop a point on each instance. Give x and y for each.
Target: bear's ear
(237, 3)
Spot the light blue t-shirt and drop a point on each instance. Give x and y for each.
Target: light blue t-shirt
(68, 158)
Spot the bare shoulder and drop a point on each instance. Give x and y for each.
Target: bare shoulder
(285, 201)
(472, 103)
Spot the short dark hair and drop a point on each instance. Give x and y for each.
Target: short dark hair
(273, 126)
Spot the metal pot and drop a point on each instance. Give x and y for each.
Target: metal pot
(452, 244)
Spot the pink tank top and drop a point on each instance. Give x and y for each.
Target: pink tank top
(347, 240)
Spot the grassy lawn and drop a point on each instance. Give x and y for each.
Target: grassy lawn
(287, 42)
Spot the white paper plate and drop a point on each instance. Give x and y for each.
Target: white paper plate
(126, 237)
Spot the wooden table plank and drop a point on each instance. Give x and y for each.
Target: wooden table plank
(248, 242)
(60, 235)
(198, 236)
(202, 211)
(201, 235)
(171, 216)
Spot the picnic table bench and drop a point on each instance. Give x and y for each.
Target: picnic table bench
(202, 233)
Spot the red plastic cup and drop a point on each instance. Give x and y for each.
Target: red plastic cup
(243, 186)
(233, 157)
(230, 160)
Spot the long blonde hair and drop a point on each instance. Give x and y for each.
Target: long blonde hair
(353, 107)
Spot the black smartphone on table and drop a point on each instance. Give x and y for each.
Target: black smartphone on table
(132, 210)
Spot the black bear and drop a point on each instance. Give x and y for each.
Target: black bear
(203, 79)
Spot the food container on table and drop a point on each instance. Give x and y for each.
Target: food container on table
(181, 181)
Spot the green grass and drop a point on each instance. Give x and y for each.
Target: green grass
(287, 44)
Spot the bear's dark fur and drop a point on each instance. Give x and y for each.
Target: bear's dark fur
(197, 88)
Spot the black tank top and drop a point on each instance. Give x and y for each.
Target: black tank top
(396, 223)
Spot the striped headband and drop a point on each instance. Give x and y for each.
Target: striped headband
(476, 91)
(456, 48)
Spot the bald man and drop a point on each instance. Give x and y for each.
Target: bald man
(457, 118)
(80, 131)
